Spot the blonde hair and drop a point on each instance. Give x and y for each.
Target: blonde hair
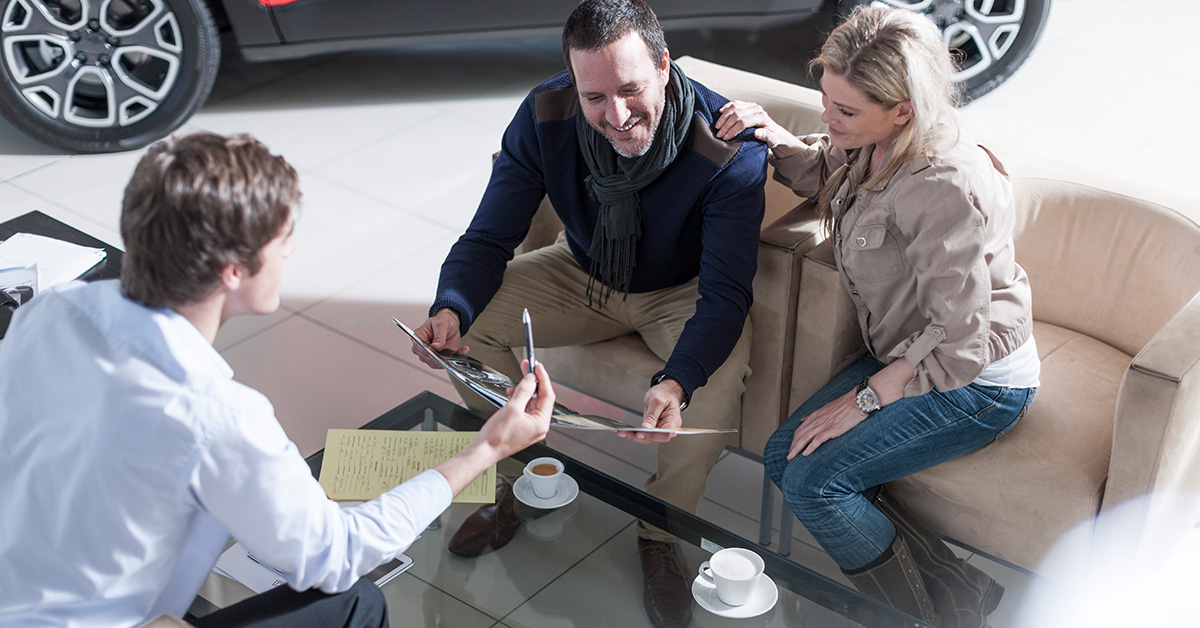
(892, 56)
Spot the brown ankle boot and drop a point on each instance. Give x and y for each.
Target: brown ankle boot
(962, 594)
(897, 582)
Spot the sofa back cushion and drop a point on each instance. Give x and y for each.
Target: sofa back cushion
(1104, 264)
(796, 108)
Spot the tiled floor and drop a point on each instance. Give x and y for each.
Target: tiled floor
(394, 150)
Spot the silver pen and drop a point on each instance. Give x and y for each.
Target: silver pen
(529, 339)
(255, 559)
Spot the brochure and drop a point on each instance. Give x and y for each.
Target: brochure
(492, 385)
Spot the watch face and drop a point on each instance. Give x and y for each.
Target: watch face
(867, 402)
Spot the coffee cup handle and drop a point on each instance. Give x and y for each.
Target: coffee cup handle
(706, 573)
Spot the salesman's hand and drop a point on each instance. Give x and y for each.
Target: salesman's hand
(661, 410)
(441, 331)
(519, 424)
(526, 418)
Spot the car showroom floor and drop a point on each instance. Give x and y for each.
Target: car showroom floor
(394, 149)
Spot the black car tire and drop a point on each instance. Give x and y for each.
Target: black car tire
(997, 68)
(87, 82)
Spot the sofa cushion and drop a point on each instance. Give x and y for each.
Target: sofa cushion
(1102, 263)
(1049, 471)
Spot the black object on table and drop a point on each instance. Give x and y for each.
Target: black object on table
(37, 223)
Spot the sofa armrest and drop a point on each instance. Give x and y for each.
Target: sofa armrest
(781, 248)
(1154, 472)
(827, 331)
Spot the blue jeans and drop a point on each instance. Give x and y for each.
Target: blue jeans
(830, 490)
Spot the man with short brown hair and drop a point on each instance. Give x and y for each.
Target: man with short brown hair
(129, 455)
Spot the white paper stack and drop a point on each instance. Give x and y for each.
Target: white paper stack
(57, 261)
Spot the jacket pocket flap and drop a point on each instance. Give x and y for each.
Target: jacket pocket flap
(869, 237)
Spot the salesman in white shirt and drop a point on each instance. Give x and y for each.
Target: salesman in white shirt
(129, 455)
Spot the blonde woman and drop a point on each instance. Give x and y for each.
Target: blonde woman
(921, 220)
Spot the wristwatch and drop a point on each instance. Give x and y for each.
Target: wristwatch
(657, 379)
(865, 398)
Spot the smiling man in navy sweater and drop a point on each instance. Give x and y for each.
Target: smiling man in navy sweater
(662, 223)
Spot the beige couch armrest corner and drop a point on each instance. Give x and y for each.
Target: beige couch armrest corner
(827, 332)
(781, 248)
(1155, 466)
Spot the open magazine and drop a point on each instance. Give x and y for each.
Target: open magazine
(492, 385)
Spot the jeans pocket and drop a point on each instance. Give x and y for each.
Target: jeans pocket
(1029, 394)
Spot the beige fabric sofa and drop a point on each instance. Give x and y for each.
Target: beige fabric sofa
(1115, 271)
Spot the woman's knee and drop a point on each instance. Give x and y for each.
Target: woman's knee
(775, 455)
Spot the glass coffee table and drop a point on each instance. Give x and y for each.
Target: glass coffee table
(576, 565)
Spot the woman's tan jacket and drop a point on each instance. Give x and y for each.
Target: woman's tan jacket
(927, 258)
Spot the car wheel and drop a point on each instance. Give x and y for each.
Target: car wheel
(990, 39)
(104, 75)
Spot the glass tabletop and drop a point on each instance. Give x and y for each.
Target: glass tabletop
(578, 565)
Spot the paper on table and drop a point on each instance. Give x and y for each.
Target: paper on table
(362, 464)
(57, 261)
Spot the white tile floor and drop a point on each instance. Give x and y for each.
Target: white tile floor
(394, 151)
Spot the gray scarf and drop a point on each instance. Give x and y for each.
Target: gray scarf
(615, 181)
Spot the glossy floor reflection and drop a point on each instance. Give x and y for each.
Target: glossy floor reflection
(394, 149)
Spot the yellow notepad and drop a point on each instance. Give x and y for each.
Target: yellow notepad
(363, 464)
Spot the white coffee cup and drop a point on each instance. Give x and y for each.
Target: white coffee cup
(543, 474)
(734, 572)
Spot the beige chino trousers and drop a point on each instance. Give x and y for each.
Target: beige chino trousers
(550, 283)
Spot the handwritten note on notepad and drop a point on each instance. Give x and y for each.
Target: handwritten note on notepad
(362, 464)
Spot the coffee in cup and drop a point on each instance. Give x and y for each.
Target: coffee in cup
(544, 468)
(543, 474)
(734, 572)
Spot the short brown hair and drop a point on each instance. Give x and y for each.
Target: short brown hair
(196, 204)
(595, 24)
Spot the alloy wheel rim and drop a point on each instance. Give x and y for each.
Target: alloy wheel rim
(979, 32)
(92, 63)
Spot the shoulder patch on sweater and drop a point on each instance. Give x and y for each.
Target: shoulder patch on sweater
(555, 105)
(708, 146)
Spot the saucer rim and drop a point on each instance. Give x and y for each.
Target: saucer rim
(549, 503)
(733, 612)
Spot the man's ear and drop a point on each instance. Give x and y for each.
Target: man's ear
(231, 276)
(664, 68)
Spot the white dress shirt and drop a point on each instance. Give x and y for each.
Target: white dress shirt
(128, 456)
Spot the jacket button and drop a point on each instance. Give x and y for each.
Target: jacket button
(861, 241)
(854, 292)
(839, 202)
(937, 332)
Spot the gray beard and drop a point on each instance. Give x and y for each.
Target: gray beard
(626, 155)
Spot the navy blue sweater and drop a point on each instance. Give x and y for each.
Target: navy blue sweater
(702, 216)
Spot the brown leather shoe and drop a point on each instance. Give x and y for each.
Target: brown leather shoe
(493, 525)
(666, 597)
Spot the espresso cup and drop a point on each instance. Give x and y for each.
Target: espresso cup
(543, 474)
(734, 572)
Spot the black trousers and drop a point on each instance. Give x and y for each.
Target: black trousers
(362, 606)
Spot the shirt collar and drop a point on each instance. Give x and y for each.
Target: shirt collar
(162, 336)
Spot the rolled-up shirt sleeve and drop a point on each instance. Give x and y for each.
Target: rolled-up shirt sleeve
(252, 479)
(938, 214)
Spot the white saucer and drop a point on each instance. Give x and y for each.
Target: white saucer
(568, 488)
(762, 599)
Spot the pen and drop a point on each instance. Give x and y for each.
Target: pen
(251, 557)
(529, 339)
